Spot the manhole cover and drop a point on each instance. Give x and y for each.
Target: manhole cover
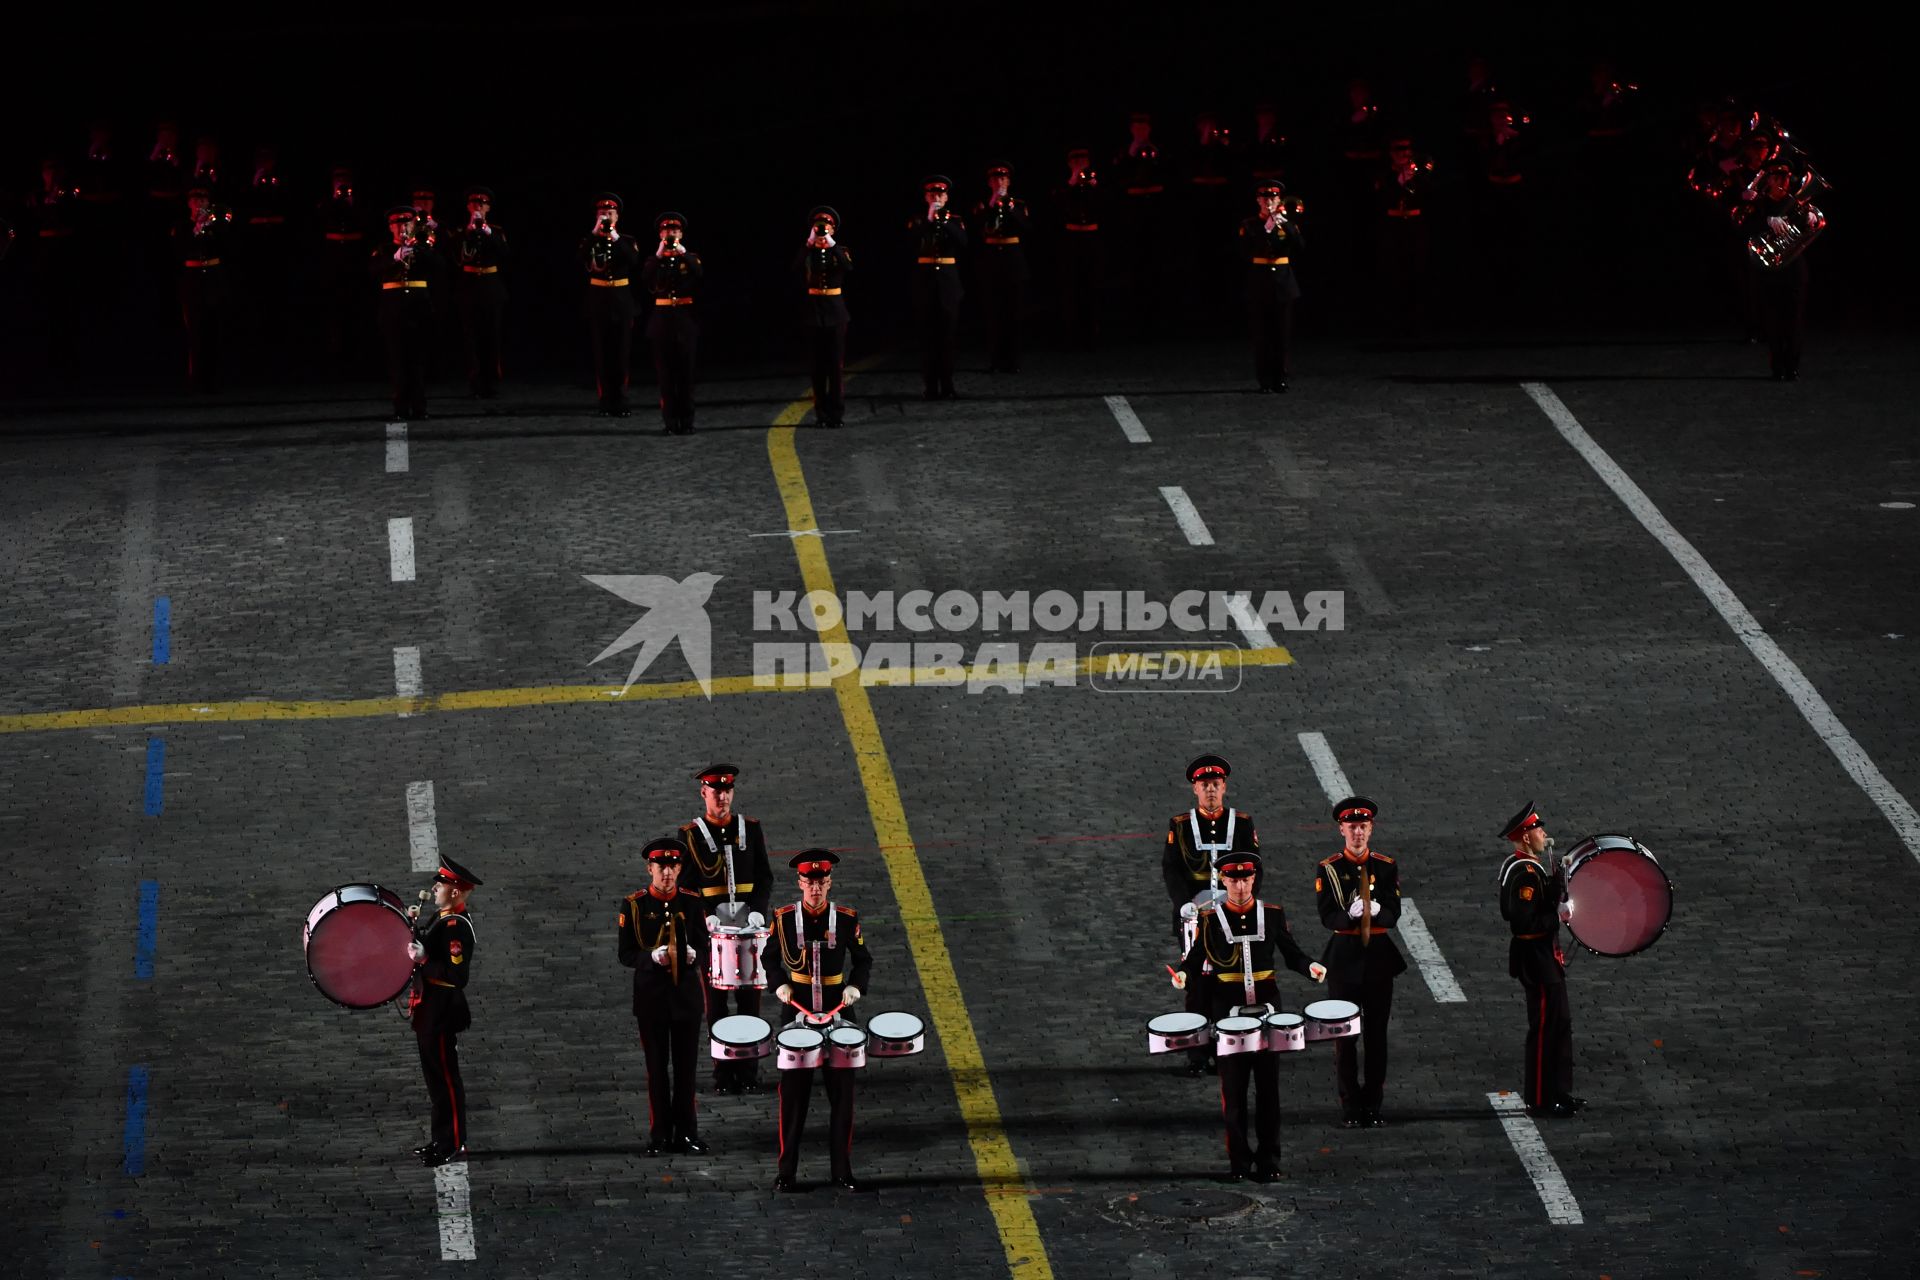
(1193, 1205)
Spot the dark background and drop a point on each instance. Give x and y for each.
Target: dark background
(743, 115)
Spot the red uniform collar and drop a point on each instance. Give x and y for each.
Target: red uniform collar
(663, 897)
(1215, 816)
(1251, 904)
(812, 912)
(1348, 855)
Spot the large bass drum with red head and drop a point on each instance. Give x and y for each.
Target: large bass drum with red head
(356, 941)
(1619, 899)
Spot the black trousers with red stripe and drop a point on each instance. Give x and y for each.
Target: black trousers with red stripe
(1374, 995)
(1263, 1069)
(440, 1063)
(1549, 1067)
(672, 1047)
(796, 1088)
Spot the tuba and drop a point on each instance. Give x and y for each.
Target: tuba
(1804, 222)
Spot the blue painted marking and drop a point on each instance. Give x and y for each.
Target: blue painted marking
(162, 629)
(136, 1140)
(149, 935)
(156, 770)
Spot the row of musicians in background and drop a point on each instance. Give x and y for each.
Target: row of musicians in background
(423, 260)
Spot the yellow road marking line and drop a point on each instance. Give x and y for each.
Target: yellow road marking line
(554, 695)
(986, 1132)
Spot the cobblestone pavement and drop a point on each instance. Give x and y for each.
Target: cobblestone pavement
(180, 1100)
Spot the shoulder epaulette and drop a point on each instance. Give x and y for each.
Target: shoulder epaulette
(1383, 857)
(845, 911)
(783, 911)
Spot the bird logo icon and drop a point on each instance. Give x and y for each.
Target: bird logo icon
(675, 610)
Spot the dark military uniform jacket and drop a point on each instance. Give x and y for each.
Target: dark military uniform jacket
(1336, 883)
(667, 287)
(438, 1002)
(1238, 950)
(1196, 842)
(207, 255)
(937, 246)
(622, 262)
(476, 256)
(416, 281)
(816, 953)
(711, 849)
(1270, 257)
(1003, 232)
(1078, 205)
(1530, 904)
(825, 273)
(648, 922)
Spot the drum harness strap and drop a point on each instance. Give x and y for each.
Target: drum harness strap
(800, 936)
(1213, 851)
(721, 852)
(1259, 934)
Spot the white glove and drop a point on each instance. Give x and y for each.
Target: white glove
(1179, 980)
(660, 956)
(1317, 971)
(1353, 908)
(418, 952)
(1566, 912)
(851, 998)
(1373, 906)
(402, 254)
(1777, 225)
(1188, 911)
(783, 993)
(690, 954)
(755, 920)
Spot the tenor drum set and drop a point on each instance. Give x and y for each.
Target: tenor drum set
(1254, 1029)
(830, 1040)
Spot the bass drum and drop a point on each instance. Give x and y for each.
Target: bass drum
(1619, 899)
(356, 941)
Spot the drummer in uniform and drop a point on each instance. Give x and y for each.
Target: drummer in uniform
(1531, 902)
(727, 868)
(826, 962)
(442, 952)
(1196, 840)
(663, 939)
(1232, 962)
(1358, 892)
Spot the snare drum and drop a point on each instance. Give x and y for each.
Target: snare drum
(1172, 1032)
(846, 1046)
(895, 1035)
(739, 1036)
(1619, 900)
(735, 958)
(1332, 1019)
(1286, 1032)
(1238, 1034)
(356, 941)
(800, 1048)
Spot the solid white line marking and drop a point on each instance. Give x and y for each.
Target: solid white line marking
(1373, 596)
(1190, 522)
(1562, 1209)
(1426, 954)
(1325, 767)
(1129, 420)
(406, 673)
(423, 829)
(453, 1201)
(396, 447)
(1413, 926)
(400, 547)
(1852, 757)
(1240, 609)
